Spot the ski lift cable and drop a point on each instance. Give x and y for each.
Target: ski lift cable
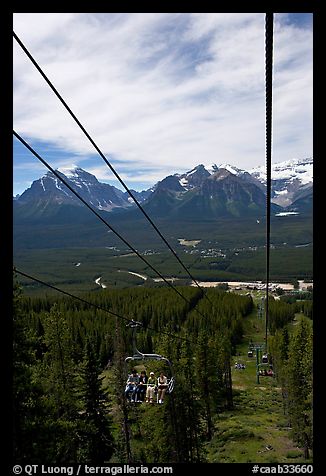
(37, 66)
(269, 18)
(44, 162)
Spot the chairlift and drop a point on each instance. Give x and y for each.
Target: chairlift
(250, 353)
(264, 359)
(239, 365)
(265, 372)
(140, 356)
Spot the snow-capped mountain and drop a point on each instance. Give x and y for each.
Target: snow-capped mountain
(301, 169)
(241, 173)
(194, 177)
(199, 194)
(49, 188)
(292, 183)
(291, 180)
(288, 178)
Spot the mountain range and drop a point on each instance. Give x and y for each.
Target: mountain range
(205, 192)
(49, 189)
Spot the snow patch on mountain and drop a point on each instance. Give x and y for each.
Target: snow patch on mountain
(301, 169)
(183, 182)
(288, 179)
(72, 171)
(212, 168)
(231, 168)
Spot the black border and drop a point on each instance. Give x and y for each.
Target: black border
(6, 193)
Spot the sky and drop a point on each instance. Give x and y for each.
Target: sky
(159, 92)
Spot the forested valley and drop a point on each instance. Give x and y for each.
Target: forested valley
(69, 373)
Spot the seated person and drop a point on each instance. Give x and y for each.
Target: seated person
(131, 385)
(162, 385)
(141, 387)
(151, 384)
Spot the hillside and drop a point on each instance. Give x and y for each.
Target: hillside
(256, 430)
(77, 374)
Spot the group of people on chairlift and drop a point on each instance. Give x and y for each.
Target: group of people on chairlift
(239, 365)
(140, 387)
(266, 372)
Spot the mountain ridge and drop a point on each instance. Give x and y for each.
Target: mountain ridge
(210, 191)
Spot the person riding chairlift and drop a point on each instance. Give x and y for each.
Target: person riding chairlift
(141, 387)
(131, 386)
(162, 385)
(151, 384)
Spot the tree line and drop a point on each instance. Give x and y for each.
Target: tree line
(291, 350)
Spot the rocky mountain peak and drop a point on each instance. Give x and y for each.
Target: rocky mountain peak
(221, 174)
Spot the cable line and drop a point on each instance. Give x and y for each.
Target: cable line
(101, 218)
(269, 102)
(100, 308)
(105, 159)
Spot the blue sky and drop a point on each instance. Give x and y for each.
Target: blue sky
(159, 92)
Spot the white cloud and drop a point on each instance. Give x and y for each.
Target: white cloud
(163, 91)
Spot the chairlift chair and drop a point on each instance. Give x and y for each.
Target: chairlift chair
(140, 356)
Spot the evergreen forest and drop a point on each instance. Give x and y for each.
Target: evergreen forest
(70, 372)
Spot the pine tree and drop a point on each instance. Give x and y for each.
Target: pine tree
(56, 373)
(188, 407)
(279, 349)
(300, 384)
(58, 367)
(224, 395)
(123, 442)
(206, 376)
(96, 440)
(27, 394)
